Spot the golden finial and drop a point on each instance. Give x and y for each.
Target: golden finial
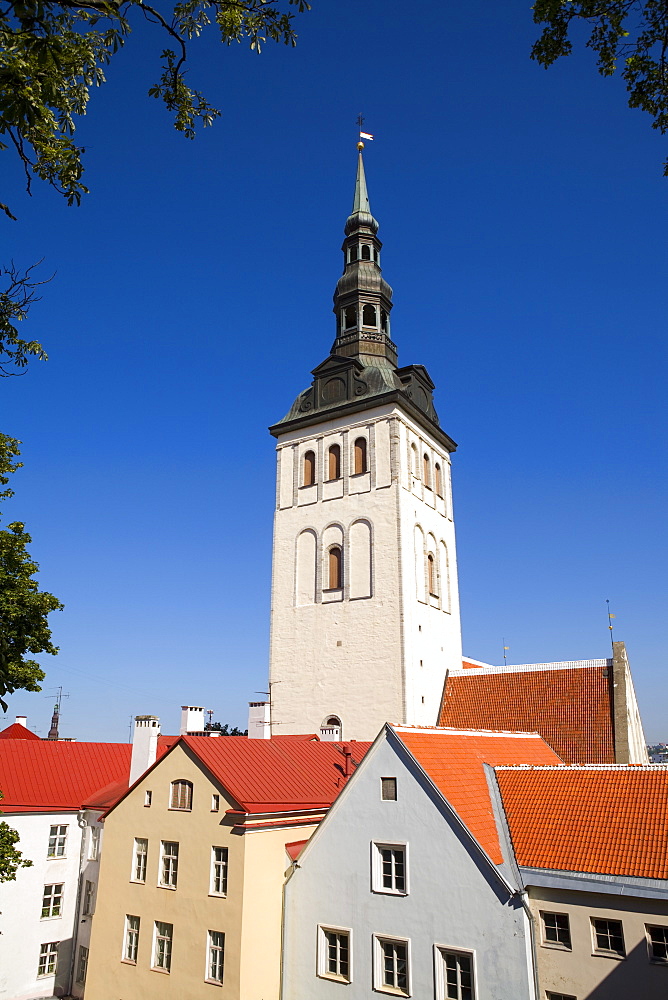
(360, 146)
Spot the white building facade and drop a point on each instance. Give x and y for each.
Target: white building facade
(365, 606)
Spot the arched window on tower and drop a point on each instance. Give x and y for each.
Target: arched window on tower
(350, 317)
(369, 316)
(360, 456)
(335, 568)
(334, 462)
(352, 254)
(426, 471)
(415, 461)
(383, 320)
(431, 576)
(438, 480)
(366, 251)
(309, 468)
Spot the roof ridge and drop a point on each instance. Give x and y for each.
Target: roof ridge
(456, 731)
(635, 768)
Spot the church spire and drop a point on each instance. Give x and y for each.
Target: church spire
(363, 299)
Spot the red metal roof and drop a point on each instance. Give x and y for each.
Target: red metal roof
(571, 708)
(609, 820)
(276, 775)
(454, 761)
(55, 776)
(17, 732)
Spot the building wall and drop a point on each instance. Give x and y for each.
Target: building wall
(89, 871)
(582, 973)
(22, 929)
(189, 907)
(454, 899)
(355, 653)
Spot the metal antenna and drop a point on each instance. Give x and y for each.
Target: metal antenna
(505, 650)
(610, 626)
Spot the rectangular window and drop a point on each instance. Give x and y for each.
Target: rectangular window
(608, 936)
(182, 795)
(389, 868)
(215, 803)
(52, 900)
(388, 789)
(162, 949)
(131, 939)
(334, 953)
(48, 959)
(559, 996)
(219, 871)
(657, 938)
(169, 864)
(391, 966)
(139, 860)
(216, 957)
(556, 929)
(148, 798)
(89, 892)
(57, 842)
(94, 846)
(82, 964)
(454, 975)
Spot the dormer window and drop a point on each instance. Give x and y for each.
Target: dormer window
(366, 251)
(369, 316)
(334, 460)
(360, 456)
(335, 568)
(350, 317)
(309, 468)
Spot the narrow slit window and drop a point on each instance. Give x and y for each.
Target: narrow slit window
(431, 574)
(334, 461)
(369, 316)
(383, 320)
(360, 456)
(426, 470)
(415, 460)
(335, 568)
(438, 477)
(309, 468)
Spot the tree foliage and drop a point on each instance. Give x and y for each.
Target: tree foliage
(631, 34)
(16, 296)
(24, 609)
(11, 859)
(52, 52)
(225, 730)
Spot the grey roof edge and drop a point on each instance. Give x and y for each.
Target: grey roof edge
(359, 405)
(617, 885)
(510, 865)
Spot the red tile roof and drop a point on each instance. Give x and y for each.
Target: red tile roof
(570, 708)
(57, 776)
(609, 820)
(276, 775)
(454, 761)
(295, 848)
(17, 732)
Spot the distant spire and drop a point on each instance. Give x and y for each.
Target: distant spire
(361, 199)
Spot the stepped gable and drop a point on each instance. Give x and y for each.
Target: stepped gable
(569, 703)
(610, 820)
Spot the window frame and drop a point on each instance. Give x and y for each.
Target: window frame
(335, 567)
(650, 944)
(333, 462)
(158, 936)
(309, 462)
(50, 953)
(177, 788)
(82, 964)
(546, 942)
(224, 868)
(377, 875)
(378, 964)
(168, 876)
(210, 948)
(440, 952)
(52, 852)
(551, 995)
(438, 480)
(136, 854)
(88, 907)
(94, 843)
(606, 952)
(131, 936)
(383, 796)
(52, 901)
(360, 456)
(322, 953)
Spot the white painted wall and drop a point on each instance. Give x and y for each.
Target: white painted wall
(378, 649)
(454, 900)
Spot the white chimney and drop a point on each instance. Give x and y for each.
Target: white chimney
(22, 720)
(192, 720)
(144, 745)
(259, 727)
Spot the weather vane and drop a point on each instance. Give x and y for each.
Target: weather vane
(362, 135)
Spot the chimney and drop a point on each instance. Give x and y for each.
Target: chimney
(259, 727)
(192, 721)
(144, 745)
(22, 720)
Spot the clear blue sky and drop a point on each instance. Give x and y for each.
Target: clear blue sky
(523, 215)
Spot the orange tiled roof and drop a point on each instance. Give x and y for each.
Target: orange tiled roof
(18, 732)
(569, 708)
(454, 761)
(608, 820)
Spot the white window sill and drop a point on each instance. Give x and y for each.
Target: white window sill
(557, 946)
(172, 887)
(165, 972)
(218, 895)
(333, 978)
(213, 982)
(128, 961)
(609, 954)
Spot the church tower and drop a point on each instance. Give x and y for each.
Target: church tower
(365, 605)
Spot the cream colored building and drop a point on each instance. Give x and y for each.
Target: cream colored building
(190, 892)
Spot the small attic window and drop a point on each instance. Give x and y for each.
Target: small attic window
(366, 251)
(182, 795)
(388, 789)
